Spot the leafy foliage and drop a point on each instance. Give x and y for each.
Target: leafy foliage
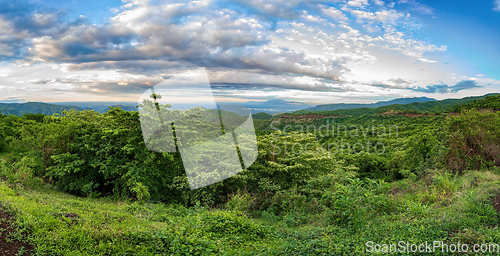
(262, 116)
(474, 141)
(375, 176)
(490, 103)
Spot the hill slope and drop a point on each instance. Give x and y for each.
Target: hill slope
(490, 102)
(19, 109)
(100, 107)
(401, 101)
(438, 106)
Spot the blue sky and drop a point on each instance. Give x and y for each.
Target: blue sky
(97, 11)
(306, 51)
(471, 29)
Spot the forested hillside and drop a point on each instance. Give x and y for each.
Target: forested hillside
(433, 107)
(19, 109)
(490, 102)
(324, 183)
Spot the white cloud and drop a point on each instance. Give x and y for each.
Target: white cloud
(371, 29)
(497, 6)
(358, 3)
(50, 82)
(413, 5)
(334, 13)
(427, 60)
(384, 16)
(272, 9)
(246, 78)
(291, 45)
(220, 38)
(10, 39)
(138, 41)
(387, 16)
(312, 18)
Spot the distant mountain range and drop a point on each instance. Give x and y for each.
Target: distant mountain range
(100, 106)
(401, 101)
(274, 106)
(256, 107)
(436, 106)
(270, 106)
(19, 109)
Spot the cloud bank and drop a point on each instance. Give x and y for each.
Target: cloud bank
(284, 44)
(444, 88)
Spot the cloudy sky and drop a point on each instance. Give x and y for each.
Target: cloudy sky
(307, 51)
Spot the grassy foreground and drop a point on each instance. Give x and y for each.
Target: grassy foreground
(439, 207)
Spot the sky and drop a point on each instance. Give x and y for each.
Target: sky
(312, 51)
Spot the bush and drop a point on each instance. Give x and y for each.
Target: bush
(474, 141)
(355, 201)
(21, 173)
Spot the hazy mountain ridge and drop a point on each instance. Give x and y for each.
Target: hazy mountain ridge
(437, 106)
(337, 106)
(260, 109)
(18, 109)
(273, 106)
(101, 107)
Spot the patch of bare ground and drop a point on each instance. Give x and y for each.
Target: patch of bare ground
(9, 246)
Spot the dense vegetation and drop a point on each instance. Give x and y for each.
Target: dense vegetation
(490, 102)
(323, 184)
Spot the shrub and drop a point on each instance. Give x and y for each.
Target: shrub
(474, 140)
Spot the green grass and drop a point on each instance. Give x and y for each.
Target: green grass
(101, 227)
(436, 207)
